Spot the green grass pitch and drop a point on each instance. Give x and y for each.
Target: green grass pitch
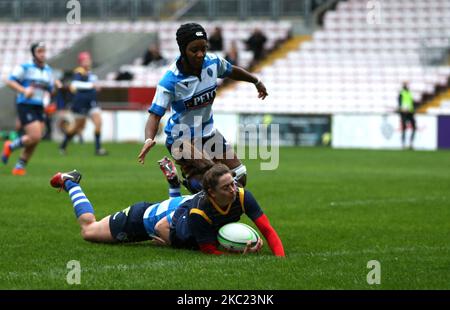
(334, 210)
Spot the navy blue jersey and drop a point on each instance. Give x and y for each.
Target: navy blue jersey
(199, 219)
(82, 85)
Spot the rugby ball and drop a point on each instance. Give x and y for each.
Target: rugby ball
(234, 236)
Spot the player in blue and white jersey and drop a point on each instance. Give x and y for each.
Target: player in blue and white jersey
(188, 88)
(34, 83)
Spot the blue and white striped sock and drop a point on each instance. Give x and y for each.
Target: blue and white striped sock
(16, 144)
(21, 163)
(174, 191)
(80, 202)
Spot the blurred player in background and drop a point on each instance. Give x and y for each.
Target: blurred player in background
(84, 103)
(50, 110)
(189, 89)
(406, 108)
(33, 83)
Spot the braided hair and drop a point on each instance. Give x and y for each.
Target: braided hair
(188, 33)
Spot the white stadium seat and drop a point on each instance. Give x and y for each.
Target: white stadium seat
(351, 65)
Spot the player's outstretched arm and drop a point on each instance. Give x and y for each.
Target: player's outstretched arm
(270, 234)
(254, 212)
(240, 74)
(151, 128)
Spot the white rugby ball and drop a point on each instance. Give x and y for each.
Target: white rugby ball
(234, 236)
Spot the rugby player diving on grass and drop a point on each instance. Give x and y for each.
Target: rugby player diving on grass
(190, 222)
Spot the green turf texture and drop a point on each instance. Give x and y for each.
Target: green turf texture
(334, 210)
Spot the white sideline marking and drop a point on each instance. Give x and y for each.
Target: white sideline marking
(60, 272)
(384, 200)
(377, 251)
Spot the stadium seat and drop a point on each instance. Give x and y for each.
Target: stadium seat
(351, 65)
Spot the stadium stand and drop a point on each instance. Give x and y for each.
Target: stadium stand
(350, 65)
(439, 105)
(353, 65)
(232, 31)
(15, 40)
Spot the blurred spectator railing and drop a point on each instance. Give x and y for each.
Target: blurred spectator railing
(45, 10)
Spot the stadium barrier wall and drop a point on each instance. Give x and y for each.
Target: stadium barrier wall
(293, 129)
(8, 108)
(374, 131)
(248, 129)
(444, 131)
(129, 126)
(382, 131)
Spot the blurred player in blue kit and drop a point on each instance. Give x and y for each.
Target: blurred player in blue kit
(84, 103)
(34, 83)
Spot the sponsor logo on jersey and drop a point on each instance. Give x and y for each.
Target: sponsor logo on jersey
(200, 100)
